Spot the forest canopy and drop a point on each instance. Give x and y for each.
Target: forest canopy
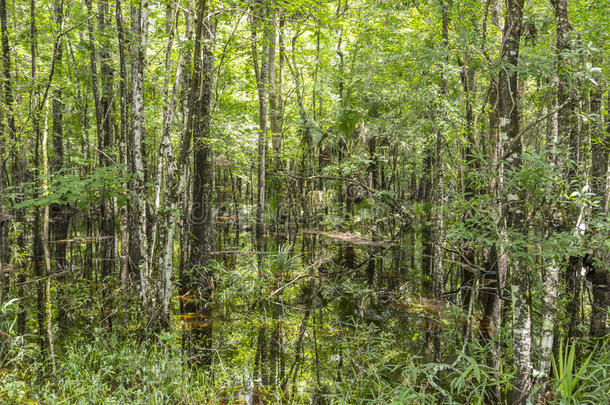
(271, 201)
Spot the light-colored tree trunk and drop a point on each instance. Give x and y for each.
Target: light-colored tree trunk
(599, 273)
(174, 185)
(550, 279)
(138, 233)
(513, 212)
(45, 242)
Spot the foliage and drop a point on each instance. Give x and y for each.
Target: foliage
(584, 382)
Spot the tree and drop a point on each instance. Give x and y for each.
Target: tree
(138, 240)
(197, 282)
(513, 226)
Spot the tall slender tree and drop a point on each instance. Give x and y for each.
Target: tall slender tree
(513, 215)
(197, 282)
(138, 236)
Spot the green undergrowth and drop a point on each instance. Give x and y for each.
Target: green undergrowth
(114, 369)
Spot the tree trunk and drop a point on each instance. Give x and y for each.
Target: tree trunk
(60, 219)
(169, 217)
(260, 14)
(105, 143)
(261, 71)
(513, 215)
(197, 282)
(123, 151)
(599, 274)
(45, 244)
(37, 241)
(468, 80)
(550, 279)
(138, 240)
(567, 127)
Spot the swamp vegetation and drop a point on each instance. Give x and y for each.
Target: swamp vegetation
(308, 201)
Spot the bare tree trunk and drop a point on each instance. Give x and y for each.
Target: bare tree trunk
(439, 182)
(261, 71)
(18, 167)
(60, 219)
(496, 266)
(550, 279)
(274, 88)
(567, 127)
(513, 215)
(169, 217)
(37, 241)
(105, 143)
(101, 125)
(4, 173)
(45, 244)
(468, 80)
(197, 281)
(161, 226)
(138, 249)
(123, 152)
(599, 274)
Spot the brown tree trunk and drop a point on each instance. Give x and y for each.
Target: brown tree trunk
(105, 143)
(123, 152)
(37, 246)
(60, 219)
(567, 129)
(197, 282)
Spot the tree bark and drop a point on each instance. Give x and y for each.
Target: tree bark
(123, 141)
(60, 219)
(169, 215)
(197, 282)
(567, 127)
(105, 143)
(261, 71)
(138, 240)
(513, 215)
(37, 240)
(599, 274)
(550, 279)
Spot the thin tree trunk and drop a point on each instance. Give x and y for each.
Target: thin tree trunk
(138, 238)
(261, 71)
(123, 152)
(105, 143)
(567, 127)
(174, 185)
(468, 79)
(599, 274)
(513, 215)
(18, 166)
(59, 212)
(550, 280)
(45, 244)
(37, 240)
